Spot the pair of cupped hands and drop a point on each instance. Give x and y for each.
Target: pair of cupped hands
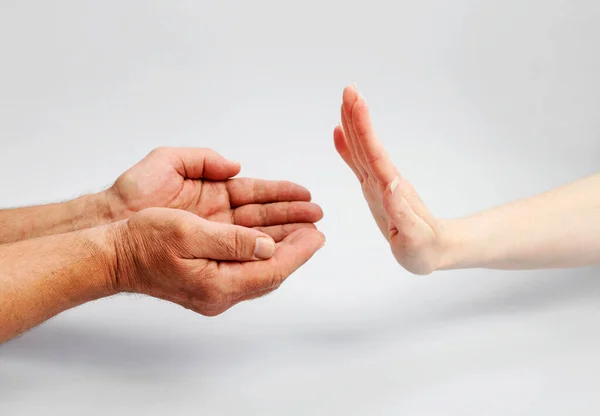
(193, 234)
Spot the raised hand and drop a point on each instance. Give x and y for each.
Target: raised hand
(199, 181)
(415, 236)
(202, 265)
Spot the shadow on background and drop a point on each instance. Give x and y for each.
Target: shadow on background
(534, 292)
(67, 345)
(147, 356)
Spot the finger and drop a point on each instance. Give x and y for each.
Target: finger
(254, 277)
(218, 241)
(243, 191)
(342, 148)
(350, 142)
(375, 156)
(196, 163)
(350, 97)
(279, 232)
(262, 215)
(402, 217)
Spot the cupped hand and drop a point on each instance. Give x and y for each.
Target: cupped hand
(202, 265)
(415, 236)
(199, 181)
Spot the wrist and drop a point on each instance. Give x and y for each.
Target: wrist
(454, 245)
(124, 249)
(101, 244)
(91, 210)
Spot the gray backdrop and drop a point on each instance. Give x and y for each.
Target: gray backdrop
(478, 102)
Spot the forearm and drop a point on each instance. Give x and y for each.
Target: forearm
(30, 222)
(42, 277)
(559, 228)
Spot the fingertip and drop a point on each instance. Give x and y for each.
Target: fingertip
(349, 97)
(319, 213)
(338, 130)
(305, 194)
(291, 191)
(312, 236)
(235, 166)
(341, 146)
(323, 240)
(339, 139)
(312, 213)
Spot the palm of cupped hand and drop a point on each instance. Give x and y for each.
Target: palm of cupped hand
(413, 233)
(198, 181)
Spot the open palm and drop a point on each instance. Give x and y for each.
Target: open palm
(404, 220)
(199, 181)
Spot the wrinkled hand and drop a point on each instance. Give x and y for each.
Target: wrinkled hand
(198, 181)
(204, 266)
(415, 236)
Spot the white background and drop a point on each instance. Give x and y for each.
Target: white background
(478, 103)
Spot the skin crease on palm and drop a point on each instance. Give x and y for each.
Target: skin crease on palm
(413, 233)
(206, 189)
(176, 226)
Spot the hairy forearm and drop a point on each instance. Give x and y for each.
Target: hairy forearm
(559, 228)
(42, 277)
(30, 222)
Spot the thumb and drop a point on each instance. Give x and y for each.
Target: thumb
(398, 209)
(233, 243)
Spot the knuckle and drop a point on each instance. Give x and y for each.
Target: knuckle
(228, 244)
(240, 250)
(263, 215)
(233, 244)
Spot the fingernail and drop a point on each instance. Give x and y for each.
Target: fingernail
(322, 245)
(264, 248)
(394, 184)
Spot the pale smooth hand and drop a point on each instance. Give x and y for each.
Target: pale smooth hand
(415, 236)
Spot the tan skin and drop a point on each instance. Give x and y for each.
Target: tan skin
(167, 253)
(204, 266)
(175, 226)
(198, 181)
(192, 179)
